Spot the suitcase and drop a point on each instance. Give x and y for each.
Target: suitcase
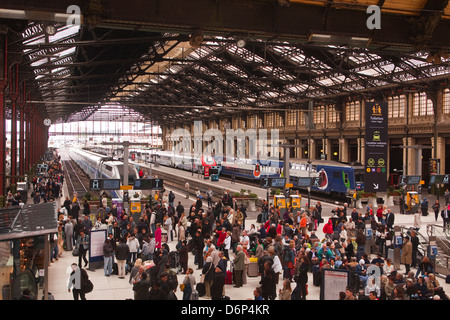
(317, 278)
(252, 270)
(229, 277)
(259, 218)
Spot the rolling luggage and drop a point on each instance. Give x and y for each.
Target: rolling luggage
(259, 218)
(316, 275)
(229, 277)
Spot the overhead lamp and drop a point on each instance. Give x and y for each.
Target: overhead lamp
(50, 30)
(240, 43)
(339, 39)
(196, 38)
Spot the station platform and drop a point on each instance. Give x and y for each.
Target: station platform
(113, 288)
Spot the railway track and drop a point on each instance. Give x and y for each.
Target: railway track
(76, 178)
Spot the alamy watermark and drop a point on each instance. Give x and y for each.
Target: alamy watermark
(236, 144)
(74, 17)
(374, 21)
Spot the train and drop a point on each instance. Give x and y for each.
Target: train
(337, 179)
(97, 166)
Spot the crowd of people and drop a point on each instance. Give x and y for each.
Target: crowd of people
(284, 245)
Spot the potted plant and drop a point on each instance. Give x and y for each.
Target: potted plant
(252, 201)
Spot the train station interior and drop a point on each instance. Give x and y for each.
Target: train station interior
(300, 111)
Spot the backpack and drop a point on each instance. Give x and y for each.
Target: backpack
(86, 284)
(286, 254)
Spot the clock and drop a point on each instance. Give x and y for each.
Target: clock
(47, 122)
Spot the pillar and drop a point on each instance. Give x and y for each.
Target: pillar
(361, 150)
(3, 84)
(311, 149)
(409, 157)
(14, 94)
(327, 148)
(440, 152)
(22, 133)
(343, 150)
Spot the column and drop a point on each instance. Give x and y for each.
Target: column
(14, 94)
(343, 150)
(3, 84)
(440, 152)
(409, 157)
(361, 149)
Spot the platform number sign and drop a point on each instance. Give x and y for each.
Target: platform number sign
(375, 177)
(95, 184)
(157, 184)
(264, 183)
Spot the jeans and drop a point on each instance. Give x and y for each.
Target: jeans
(264, 216)
(121, 268)
(107, 265)
(54, 254)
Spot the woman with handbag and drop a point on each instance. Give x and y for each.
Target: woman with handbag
(207, 276)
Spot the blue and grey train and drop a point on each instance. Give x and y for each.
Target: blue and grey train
(335, 178)
(96, 166)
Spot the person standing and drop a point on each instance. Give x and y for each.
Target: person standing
(107, 257)
(158, 236)
(390, 219)
(83, 247)
(268, 282)
(209, 195)
(186, 189)
(406, 257)
(415, 248)
(217, 284)
(239, 266)
(122, 252)
(68, 231)
(141, 287)
(74, 283)
(437, 208)
(424, 207)
(445, 216)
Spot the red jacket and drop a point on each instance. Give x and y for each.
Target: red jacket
(328, 227)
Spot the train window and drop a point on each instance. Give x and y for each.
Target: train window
(107, 167)
(359, 177)
(346, 181)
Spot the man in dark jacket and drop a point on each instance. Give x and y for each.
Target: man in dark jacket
(217, 284)
(141, 287)
(415, 248)
(122, 252)
(199, 244)
(184, 256)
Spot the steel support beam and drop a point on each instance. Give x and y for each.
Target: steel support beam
(3, 84)
(14, 95)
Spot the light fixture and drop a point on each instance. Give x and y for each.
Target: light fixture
(196, 38)
(240, 43)
(338, 39)
(50, 30)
